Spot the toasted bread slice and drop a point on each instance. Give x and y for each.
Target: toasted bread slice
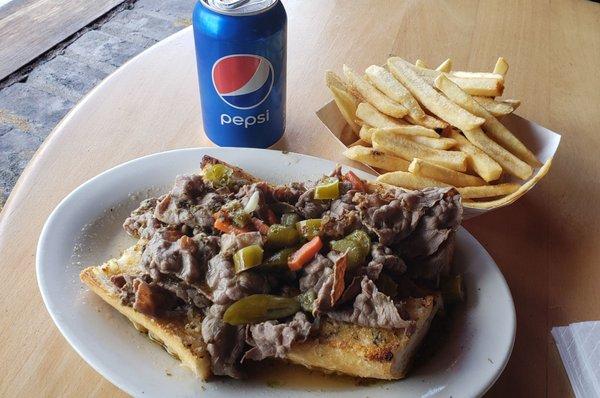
(338, 347)
(183, 343)
(365, 351)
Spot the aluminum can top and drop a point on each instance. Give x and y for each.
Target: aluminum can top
(239, 7)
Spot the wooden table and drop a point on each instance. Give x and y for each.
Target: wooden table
(546, 244)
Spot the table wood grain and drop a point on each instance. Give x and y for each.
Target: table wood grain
(546, 244)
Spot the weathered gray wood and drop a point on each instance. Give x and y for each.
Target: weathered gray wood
(28, 28)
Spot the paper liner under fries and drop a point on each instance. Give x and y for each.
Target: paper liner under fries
(542, 142)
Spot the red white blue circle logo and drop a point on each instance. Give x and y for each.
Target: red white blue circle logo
(243, 81)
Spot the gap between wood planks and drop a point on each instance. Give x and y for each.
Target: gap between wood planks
(34, 30)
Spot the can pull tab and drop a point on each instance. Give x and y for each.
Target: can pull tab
(230, 4)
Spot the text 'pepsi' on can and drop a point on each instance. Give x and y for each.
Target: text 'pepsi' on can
(241, 51)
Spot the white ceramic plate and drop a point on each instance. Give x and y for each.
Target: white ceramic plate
(85, 229)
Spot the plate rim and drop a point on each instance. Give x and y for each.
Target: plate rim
(67, 335)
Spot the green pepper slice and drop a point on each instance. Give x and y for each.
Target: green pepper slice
(289, 219)
(247, 257)
(309, 228)
(357, 245)
(362, 239)
(279, 259)
(259, 308)
(351, 249)
(328, 188)
(218, 174)
(282, 236)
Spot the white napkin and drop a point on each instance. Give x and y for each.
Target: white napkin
(579, 348)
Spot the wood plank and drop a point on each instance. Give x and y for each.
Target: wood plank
(546, 243)
(29, 28)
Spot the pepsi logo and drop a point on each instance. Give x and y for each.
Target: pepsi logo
(243, 81)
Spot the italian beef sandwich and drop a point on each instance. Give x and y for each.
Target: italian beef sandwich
(338, 274)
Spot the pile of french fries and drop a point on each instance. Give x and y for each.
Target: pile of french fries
(426, 127)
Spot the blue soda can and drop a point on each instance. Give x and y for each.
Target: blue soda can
(241, 48)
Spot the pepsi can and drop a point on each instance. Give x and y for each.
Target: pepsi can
(241, 50)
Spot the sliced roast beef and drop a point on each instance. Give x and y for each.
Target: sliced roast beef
(396, 216)
(188, 187)
(371, 308)
(196, 296)
(288, 193)
(390, 218)
(383, 259)
(231, 243)
(313, 271)
(342, 217)
(171, 253)
(226, 285)
(415, 224)
(309, 207)
(318, 276)
(430, 268)
(264, 195)
(142, 223)
(439, 219)
(190, 203)
(274, 339)
(224, 342)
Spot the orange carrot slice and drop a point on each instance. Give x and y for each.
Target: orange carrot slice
(357, 183)
(303, 255)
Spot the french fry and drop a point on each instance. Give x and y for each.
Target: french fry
(492, 126)
(345, 101)
(455, 178)
(427, 121)
(512, 102)
(501, 66)
(333, 80)
(429, 97)
(371, 116)
(477, 160)
(509, 162)
(475, 83)
(409, 181)
(488, 191)
(373, 157)
(445, 66)
(495, 107)
(387, 84)
(419, 63)
(365, 133)
(358, 142)
(374, 96)
(435, 143)
(412, 130)
(403, 147)
(491, 86)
